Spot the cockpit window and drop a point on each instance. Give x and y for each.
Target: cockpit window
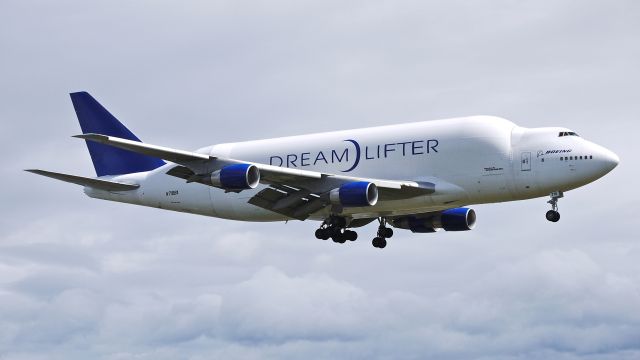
(567, 133)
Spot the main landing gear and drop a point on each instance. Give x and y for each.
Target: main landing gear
(553, 215)
(384, 233)
(335, 228)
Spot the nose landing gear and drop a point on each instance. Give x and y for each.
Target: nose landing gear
(553, 215)
(384, 233)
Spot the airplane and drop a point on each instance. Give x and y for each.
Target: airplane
(419, 176)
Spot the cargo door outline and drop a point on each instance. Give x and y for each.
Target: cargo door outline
(525, 161)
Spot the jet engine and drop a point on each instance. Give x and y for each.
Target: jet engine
(457, 219)
(355, 194)
(236, 177)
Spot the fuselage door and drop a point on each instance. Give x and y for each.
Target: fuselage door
(525, 161)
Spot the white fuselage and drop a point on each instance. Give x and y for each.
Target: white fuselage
(480, 159)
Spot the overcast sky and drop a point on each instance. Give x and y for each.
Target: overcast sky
(82, 278)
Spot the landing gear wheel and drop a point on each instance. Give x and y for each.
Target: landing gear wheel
(379, 242)
(386, 232)
(553, 216)
(350, 235)
(323, 233)
(339, 238)
(335, 228)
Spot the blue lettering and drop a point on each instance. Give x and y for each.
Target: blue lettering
(387, 150)
(432, 147)
(292, 161)
(415, 148)
(366, 154)
(275, 157)
(334, 156)
(304, 158)
(357, 156)
(320, 156)
(404, 145)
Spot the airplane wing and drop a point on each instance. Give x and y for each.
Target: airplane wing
(161, 152)
(292, 192)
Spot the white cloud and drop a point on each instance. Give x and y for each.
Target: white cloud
(273, 307)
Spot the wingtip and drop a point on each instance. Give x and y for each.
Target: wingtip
(36, 171)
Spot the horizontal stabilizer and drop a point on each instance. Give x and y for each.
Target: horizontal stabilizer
(85, 181)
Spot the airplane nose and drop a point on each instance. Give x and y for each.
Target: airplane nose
(601, 162)
(610, 159)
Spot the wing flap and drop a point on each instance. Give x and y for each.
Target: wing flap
(101, 184)
(268, 197)
(291, 202)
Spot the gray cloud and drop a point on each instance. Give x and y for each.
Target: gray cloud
(81, 278)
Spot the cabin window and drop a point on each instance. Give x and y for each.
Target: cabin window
(561, 158)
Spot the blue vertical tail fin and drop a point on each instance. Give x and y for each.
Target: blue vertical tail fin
(108, 160)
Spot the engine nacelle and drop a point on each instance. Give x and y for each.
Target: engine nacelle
(355, 194)
(236, 177)
(458, 219)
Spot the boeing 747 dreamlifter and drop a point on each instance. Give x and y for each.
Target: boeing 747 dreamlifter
(417, 176)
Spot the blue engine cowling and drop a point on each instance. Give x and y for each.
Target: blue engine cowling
(355, 194)
(457, 219)
(236, 177)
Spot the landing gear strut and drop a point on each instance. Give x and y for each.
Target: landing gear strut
(553, 215)
(334, 227)
(380, 241)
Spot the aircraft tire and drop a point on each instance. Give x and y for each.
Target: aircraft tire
(351, 235)
(339, 238)
(323, 234)
(379, 242)
(552, 216)
(386, 232)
